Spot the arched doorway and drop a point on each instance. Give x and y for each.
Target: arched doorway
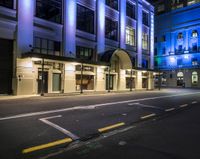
(180, 78)
(119, 61)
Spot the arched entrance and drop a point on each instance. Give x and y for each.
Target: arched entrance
(119, 61)
(180, 78)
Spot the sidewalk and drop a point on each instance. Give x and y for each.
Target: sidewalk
(85, 93)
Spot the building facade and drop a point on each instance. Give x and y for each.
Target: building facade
(177, 43)
(61, 46)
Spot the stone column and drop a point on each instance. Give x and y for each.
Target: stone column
(25, 14)
(69, 36)
(122, 18)
(139, 34)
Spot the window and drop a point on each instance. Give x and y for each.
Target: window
(180, 36)
(194, 34)
(160, 8)
(145, 18)
(190, 2)
(84, 52)
(179, 62)
(7, 3)
(85, 19)
(164, 51)
(49, 10)
(194, 78)
(163, 38)
(130, 36)
(155, 51)
(144, 41)
(194, 62)
(112, 3)
(130, 10)
(111, 29)
(45, 46)
(145, 63)
(177, 4)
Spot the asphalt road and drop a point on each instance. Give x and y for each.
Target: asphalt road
(42, 126)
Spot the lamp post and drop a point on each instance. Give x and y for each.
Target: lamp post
(81, 91)
(131, 80)
(42, 86)
(108, 79)
(159, 81)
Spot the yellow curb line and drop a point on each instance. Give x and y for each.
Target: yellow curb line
(111, 127)
(51, 144)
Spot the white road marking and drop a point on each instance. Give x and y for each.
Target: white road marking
(133, 103)
(144, 105)
(184, 105)
(170, 109)
(148, 116)
(66, 132)
(90, 106)
(194, 102)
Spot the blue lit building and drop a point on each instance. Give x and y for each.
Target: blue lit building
(177, 43)
(61, 46)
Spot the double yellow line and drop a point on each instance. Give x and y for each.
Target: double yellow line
(111, 127)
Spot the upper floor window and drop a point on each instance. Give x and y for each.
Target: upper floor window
(163, 38)
(130, 10)
(130, 36)
(180, 36)
(84, 52)
(194, 34)
(194, 62)
(145, 18)
(85, 19)
(112, 3)
(7, 3)
(45, 46)
(160, 8)
(177, 4)
(111, 29)
(190, 2)
(144, 41)
(49, 10)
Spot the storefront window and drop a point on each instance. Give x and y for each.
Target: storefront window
(194, 78)
(87, 82)
(56, 82)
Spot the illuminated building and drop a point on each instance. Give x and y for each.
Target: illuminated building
(55, 46)
(177, 43)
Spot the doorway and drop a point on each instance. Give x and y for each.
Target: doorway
(45, 83)
(109, 82)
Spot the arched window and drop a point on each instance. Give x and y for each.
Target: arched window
(180, 36)
(180, 74)
(194, 78)
(194, 34)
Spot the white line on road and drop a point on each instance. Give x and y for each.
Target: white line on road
(66, 132)
(148, 116)
(184, 105)
(90, 106)
(194, 102)
(170, 109)
(144, 105)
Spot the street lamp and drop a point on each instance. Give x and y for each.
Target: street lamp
(108, 79)
(131, 80)
(81, 91)
(42, 86)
